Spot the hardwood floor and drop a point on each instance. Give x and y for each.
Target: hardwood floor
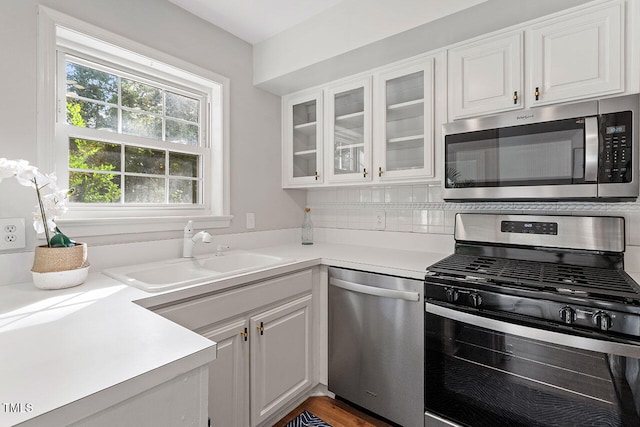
(334, 412)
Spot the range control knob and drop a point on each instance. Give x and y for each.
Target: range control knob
(475, 299)
(602, 320)
(567, 315)
(451, 294)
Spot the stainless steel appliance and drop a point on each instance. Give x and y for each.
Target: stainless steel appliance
(376, 345)
(532, 322)
(586, 150)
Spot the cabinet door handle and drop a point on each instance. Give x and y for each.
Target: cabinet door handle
(380, 171)
(515, 97)
(244, 334)
(365, 173)
(261, 328)
(537, 94)
(316, 175)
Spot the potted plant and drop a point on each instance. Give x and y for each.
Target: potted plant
(62, 262)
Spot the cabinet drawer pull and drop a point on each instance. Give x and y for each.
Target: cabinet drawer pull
(537, 94)
(244, 334)
(261, 328)
(515, 97)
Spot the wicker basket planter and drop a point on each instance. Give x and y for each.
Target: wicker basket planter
(58, 268)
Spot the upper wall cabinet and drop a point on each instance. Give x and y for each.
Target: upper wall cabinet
(403, 139)
(349, 132)
(569, 57)
(577, 56)
(486, 76)
(302, 139)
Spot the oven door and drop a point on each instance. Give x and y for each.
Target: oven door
(552, 160)
(483, 371)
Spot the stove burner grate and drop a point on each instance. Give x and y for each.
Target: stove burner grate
(542, 275)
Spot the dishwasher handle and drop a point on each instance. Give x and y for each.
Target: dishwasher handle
(372, 290)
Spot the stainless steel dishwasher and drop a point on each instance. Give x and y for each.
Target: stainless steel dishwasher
(376, 343)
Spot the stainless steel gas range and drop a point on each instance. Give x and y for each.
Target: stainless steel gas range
(533, 322)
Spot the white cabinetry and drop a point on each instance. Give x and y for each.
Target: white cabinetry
(264, 339)
(569, 56)
(578, 56)
(486, 76)
(404, 125)
(349, 131)
(303, 145)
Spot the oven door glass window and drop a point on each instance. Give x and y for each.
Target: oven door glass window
(550, 153)
(476, 376)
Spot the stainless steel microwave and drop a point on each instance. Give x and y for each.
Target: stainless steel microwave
(581, 151)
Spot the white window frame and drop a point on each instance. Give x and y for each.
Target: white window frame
(60, 34)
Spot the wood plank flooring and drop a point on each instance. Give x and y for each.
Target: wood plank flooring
(334, 412)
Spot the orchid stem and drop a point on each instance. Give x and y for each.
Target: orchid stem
(42, 214)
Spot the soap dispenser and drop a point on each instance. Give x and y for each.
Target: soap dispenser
(307, 228)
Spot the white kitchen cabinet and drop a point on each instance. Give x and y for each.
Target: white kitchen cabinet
(404, 121)
(264, 341)
(280, 357)
(349, 132)
(303, 150)
(486, 76)
(568, 57)
(577, 56)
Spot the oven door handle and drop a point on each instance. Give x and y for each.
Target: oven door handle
(591, 344)
(372, 290)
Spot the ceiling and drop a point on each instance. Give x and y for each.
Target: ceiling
(257, 20)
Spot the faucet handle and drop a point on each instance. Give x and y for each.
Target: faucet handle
(188, 229)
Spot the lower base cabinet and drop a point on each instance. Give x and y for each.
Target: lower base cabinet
(263, 361)
(264, 335)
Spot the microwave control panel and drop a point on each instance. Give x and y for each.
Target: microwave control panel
(615, 148)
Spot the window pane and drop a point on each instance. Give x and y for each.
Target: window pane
(141, 96)
(139, 124)
(182, 133)
(87, 114)
(94, 187)
(183, 191)
(181, 164)
(144, 160)
(182, 107)
(93, 155)
(140, 189)
(93, 84)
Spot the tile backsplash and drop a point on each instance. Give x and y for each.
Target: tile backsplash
(420, 209)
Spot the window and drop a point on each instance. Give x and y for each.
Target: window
(142, 137)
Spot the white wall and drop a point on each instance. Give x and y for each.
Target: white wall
(255, 114)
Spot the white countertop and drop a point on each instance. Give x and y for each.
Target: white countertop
(64, 346)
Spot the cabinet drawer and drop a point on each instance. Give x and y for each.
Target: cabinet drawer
(195, 314)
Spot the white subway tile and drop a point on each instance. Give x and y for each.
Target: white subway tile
(377, 195)
(420, 194)
(420, 217)
(405, 194)
(391, 195)
(365, 195)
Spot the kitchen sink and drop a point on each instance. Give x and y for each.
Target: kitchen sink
(176, 273)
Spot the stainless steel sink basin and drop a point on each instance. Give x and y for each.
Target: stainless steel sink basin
(176, 273)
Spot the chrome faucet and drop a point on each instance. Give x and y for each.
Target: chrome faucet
(189, 240)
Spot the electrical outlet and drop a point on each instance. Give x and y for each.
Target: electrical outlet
(381, 220)
(12, 233)
(251, 221)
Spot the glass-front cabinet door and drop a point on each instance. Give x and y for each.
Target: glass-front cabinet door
(302, 142)
(404, 136)
(349, 132)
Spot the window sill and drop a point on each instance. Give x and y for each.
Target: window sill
(92, 227)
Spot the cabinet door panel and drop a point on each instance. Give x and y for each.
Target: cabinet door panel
(280, 356)
(577, 57)
(228, 376)
(404, 138)
(349, 132)
(486, 76)
(302, 140)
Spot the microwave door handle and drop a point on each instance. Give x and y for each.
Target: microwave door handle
(591, 142)
(584, 343)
